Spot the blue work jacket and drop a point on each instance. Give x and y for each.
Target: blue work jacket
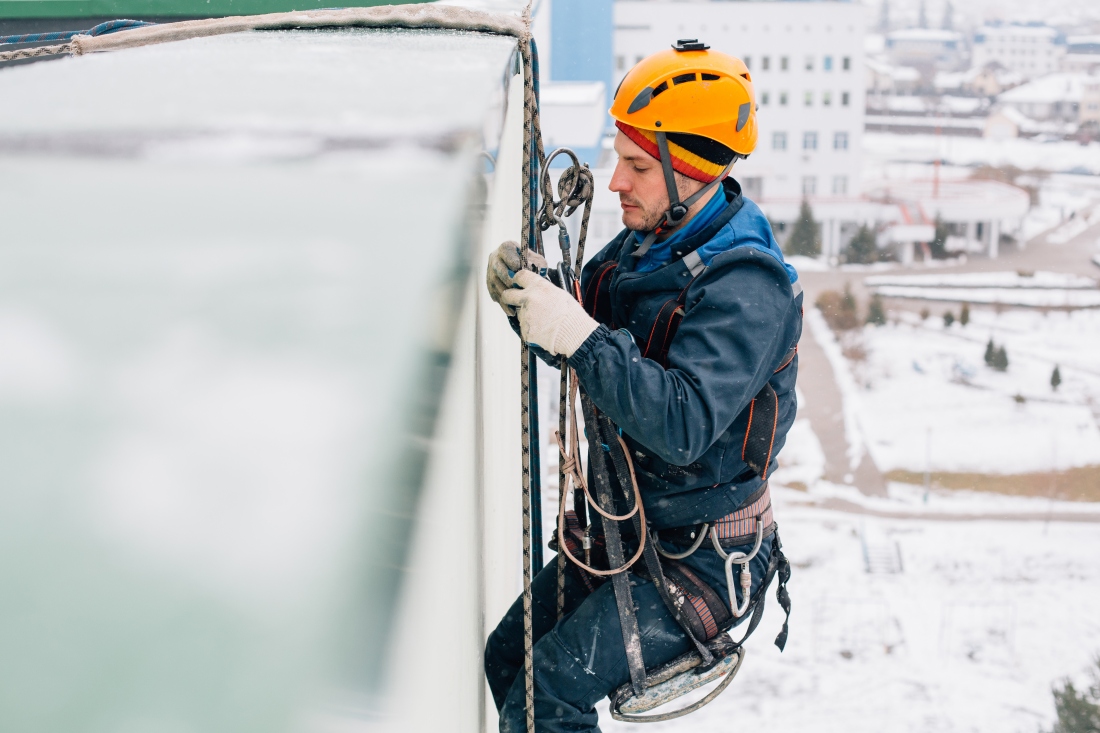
(685, 424)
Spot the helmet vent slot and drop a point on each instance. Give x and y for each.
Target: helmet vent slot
(662, 87)
(683, 78)
(710, 77)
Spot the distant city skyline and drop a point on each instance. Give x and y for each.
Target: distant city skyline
(969, 13)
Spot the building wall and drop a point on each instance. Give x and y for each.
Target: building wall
(1029, 50)
(806, 61)
(1090, 103)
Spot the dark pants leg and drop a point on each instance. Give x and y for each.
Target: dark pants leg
(581, 658)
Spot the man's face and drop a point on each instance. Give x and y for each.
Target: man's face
(640, 183)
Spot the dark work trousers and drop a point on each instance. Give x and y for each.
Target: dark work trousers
(581, 659)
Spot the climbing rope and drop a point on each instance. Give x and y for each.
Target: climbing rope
(111, 26)
(532, 158)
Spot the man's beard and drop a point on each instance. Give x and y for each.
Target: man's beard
(650, 219)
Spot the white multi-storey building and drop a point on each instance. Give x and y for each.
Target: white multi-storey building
(1031, 50)
(806, 62)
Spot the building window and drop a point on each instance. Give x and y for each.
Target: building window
(782, 99)
(809, 141)
(840, 141)
(826, 98)
(809, 185)
(753, 187)
(844, 98)
(748, 62)
(765, 63)
(846, 63)
(764, 97)
(840, 185)
(620, 62)
(809, 63)
(783, 63)
(779, 141)
(827, 63)
(808, 99)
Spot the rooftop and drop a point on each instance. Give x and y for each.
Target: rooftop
(1061, 87)
(924, 34)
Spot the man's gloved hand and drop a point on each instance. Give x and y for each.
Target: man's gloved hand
(503, 263)
(548, 316)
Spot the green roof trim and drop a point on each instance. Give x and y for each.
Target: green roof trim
(139, 9)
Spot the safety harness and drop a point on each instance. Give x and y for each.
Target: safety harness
(703, 613)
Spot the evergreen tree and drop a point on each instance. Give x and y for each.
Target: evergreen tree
(1000, 359)
(862, 249)
(964, 315)
(876, 313)
(1078, 712)
(990, 350)
(938, 246)
(924, 313)
(1055, 378)
(805, 239)
(948, 319)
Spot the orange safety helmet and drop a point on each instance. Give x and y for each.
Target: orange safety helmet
(688, 90)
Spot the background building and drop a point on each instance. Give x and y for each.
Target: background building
(808, 72)
(1031, 50)
(926, 48)
(1055, 97)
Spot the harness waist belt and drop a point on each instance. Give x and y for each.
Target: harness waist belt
(734, 529)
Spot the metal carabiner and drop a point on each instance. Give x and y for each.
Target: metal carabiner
(738, 610)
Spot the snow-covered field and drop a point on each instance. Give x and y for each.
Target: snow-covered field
(983, 619)
(923, 397)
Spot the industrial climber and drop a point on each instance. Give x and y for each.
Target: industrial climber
(686, 340)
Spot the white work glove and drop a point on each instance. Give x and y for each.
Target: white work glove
(503, 263)
(548, 316)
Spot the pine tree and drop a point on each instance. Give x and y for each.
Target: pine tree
(805, 239)
(876, 313)
(964, 315)
(1000, 359)
(948, 319)
(1078, 712)
(990, 350)
(862, 249)
(1055, 378)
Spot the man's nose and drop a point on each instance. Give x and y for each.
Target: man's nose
(619, 182)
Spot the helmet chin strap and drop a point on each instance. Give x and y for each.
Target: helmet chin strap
(677, 210)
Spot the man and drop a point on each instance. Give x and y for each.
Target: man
(686, 339)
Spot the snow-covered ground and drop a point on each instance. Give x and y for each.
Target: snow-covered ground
(923, 397)
(983, 619)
